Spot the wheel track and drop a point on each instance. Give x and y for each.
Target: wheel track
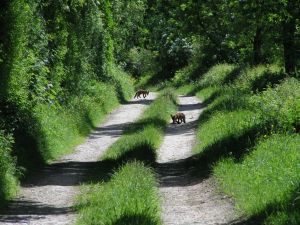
(189, 196)
(47, 197)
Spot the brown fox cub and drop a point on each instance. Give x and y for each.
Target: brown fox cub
(178, 118)
(141, 92)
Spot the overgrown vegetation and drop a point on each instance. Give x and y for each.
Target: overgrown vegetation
(58, 80)
(129, 195)
(8, 181)
(249, 138)
(64, 64)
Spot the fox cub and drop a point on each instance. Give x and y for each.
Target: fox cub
(178, 118)
(141, 92)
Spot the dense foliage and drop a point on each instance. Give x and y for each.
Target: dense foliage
(58, 79)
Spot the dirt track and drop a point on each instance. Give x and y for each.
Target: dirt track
(188, 197)
(48, 196)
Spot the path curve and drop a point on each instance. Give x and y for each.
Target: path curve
(187, 197)
(48, 196)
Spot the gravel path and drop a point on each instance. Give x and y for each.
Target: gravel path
(188, 197)
(48, 196)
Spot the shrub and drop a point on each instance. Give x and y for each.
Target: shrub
(280, 106)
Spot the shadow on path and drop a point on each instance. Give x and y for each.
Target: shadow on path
(140, 102)
(67, 173)
(20, 211)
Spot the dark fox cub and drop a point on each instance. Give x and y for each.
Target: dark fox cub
(178, 118)
(141, 92)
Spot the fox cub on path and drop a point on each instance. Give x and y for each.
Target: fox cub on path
(178, 118)
(141, 92)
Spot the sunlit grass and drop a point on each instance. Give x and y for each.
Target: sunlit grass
(130, 195)
(248, 136)
(268, 179)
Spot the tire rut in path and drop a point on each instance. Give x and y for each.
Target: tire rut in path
(188, 196)
(47, 197)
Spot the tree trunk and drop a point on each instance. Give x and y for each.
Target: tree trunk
(257, 45)
(288, 38)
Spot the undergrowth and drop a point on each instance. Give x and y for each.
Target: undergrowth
(8, 173)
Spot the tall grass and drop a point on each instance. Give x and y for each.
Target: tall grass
(61, 128)
(249, 137)
(267, 181)
(130, 197)
(127, 193)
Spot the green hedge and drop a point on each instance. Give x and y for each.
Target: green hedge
(58, 77)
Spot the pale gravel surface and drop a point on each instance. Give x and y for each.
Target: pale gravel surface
(188, 198)
(48, 196)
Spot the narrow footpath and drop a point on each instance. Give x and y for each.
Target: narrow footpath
(48, 196)
(188, 196)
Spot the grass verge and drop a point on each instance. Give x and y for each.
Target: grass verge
(267, 181)
(249, 138)
(125, 191)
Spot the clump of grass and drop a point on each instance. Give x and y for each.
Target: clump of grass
(130, 197)
(268, 179)
(141, 145)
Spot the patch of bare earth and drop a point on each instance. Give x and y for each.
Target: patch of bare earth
(188, 196)
(47, 197)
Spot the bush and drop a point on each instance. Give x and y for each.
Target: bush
(280, 106)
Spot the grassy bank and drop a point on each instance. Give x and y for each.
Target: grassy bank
(52, 130)
(249, 138)
(126, 190)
